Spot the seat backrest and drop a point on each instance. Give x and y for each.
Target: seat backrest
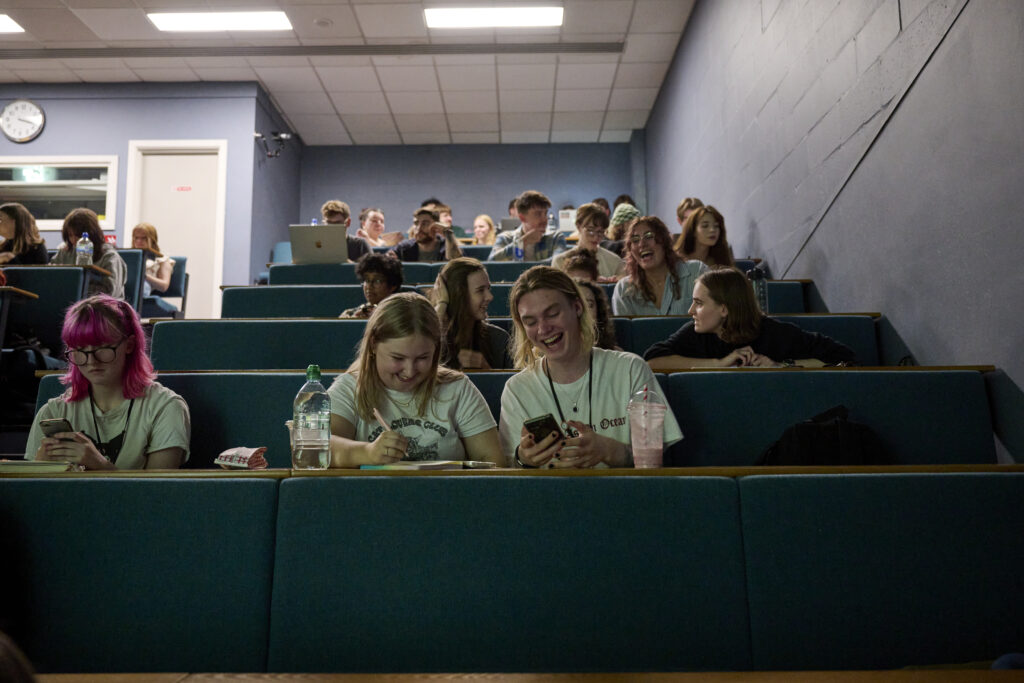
(290, 301)
(785, 297)
(892, 566)
(212, 540)
(491, 384)
(135, 267)
(281, 252)
(922, 417)
(507, 271)
(670, 579)
(179, 279)
(416, 273)
(58, 287)
(255, 344)
(313, 274)
(478, 251)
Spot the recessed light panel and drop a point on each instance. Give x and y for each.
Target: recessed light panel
(493, 17)
(220, 21)
(8, 25)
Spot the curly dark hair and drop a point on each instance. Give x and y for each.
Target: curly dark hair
(662, 237)
(390, 268)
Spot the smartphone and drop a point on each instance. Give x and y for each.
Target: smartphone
(540, 427)
(55, 426)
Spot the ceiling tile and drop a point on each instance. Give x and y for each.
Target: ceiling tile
(526, 77)
(476, 138)
(166, 75)
(610, 58)
(278, 61)
(660, 16)
(633, 118)
(641, 75)
(218, 62)
(29, 64)
(8, 77)
(597, 16)
(155, 62)
(107, 63)
(525, 122)
(341, 18)
(289, 78)
(527, 35)
(392, 20)
(320, 129)
(366, 123)
(349, 78)
(512, 137)
(426, 138)
(585, 75)
(582, 100)
(460, 35)
(119, 24)
(415, 102)
(340, 60)
(594, 37)
(123, 75)
(368, 138)
(616, 136)
(526, 100)
(407, 77)
(650, 47)
(226, 73)
(575, 120)
(467, 77)
(574, 135)
(463, 60)
(46, 75)
(49, 24)
(299, 103)
(471, 102)
(632, 98)
(402, 60)
(421, 123)
(473, 123)
(89, 4)
(527, 59)
(360, 103)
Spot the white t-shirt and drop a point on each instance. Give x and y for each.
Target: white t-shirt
(608, 262)
(159, 420)
(617, 376)
(457, 411)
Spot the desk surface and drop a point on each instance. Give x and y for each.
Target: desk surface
(901, 676)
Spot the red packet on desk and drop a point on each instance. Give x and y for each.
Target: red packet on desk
(242, 458)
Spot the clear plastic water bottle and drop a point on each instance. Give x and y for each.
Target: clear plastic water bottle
(552, 226)
(313, 221)
(83, 250)
(311, 427)
(760, 285)
(517, 248)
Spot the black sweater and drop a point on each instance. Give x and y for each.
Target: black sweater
(778, 340)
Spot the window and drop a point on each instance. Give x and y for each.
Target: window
(50, 187)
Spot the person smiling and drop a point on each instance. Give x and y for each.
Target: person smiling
(584, 388)
(430, 412)
(591, 223)
(135, 422)
(461, 296)
(657, 281)
(729, 330)
(703, 238)
(371, 226)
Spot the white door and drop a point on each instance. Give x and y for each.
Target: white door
(180, 191)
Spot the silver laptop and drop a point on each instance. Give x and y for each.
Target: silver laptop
(318, 243)
(508, 224)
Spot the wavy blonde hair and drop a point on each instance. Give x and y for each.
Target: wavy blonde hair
(545, 277)
(400, 315)
(151, 237)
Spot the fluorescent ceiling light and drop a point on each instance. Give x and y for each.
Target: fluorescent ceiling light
(220, 21)
(8, 25)
(493, 17)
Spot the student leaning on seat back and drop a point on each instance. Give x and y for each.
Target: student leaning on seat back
(104, 255)
(728, 330)
(704, 240)
(657, 282)
(431, 241)
(22, 243)
(120, 416)
(585, 389)
(461, 295)
(430, 412)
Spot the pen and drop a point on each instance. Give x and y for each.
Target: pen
(380, 419)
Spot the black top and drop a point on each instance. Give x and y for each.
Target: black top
(409, 250)
(614, 246)
(357, 246)
(36, 253)
(778, 340)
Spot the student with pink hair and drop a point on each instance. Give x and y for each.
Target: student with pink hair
(120, 416)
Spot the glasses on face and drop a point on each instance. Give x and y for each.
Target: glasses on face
(374, 282)
(103, 354)
(593, 230)
(646, 237)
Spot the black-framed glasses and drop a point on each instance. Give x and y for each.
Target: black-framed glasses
(636, 239)
(593, 230)
(103, 354)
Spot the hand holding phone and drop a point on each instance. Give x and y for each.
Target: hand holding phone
(541, 427)
(55, 426)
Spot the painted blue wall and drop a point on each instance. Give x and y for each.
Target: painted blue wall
(772, 110)
(472, 179)
(102, 118)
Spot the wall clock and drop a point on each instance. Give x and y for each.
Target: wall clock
(22, 120)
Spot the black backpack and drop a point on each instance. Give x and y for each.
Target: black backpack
(827, 439)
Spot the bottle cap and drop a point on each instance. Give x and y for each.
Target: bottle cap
(313, 372)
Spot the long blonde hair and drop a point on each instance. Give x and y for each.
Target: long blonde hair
(491, 232)
(400, 315)
(546, 277)
(150, 231)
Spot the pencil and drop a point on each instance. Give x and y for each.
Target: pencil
(380, 419)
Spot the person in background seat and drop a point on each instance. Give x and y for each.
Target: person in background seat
(336, 212)
(431, 241)
(532, 209)
(703, 239)
(729, 330)
(461, 295)
(22, 244)
(381, 277)
(658, 281)
(104, 255)
(591, 223)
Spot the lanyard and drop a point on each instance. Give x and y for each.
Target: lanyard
(590, 386)
(111, 449)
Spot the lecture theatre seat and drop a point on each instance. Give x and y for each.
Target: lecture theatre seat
(313, 274)
(58, 287)
(135, 270)
(922, 417)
